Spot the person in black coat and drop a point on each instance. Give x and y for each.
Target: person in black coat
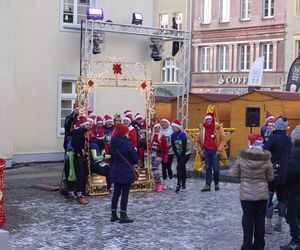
(292, 183)
(122, 153)
(279, 144)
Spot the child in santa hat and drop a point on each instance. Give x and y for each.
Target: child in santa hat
(181, 149)
(140, 127)
(117, 120)
(168, 159)
(159, 150)
(132, 132)
(264, 128)
(108, 129)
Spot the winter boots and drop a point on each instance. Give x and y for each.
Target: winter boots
(205, 189)
(278, 225)
(114, 216)
(124, 218)
(269, 226)
(171, 184)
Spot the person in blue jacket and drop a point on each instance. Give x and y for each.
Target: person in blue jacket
(280, 145)
(122, 153)
(182, 152)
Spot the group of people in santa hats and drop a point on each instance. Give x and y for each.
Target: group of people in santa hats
(270, 166)
(91, 135)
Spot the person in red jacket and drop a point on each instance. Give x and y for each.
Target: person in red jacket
(159, 151)
(99, 129)
(132, 132)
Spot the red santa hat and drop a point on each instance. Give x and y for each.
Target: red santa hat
(99, 119)
(166, 119)
(157, 125)
(138, 116)
(83, 121)
(128, 112)
(209, 116)
(107, 118)
(91, 114)
(271, 122)
(176, 124)
(90, 120)
(255, 140)
(269, 116)
(126, 118)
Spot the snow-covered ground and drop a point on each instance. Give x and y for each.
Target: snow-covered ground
(189, 220)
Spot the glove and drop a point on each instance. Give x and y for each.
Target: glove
(165, 159)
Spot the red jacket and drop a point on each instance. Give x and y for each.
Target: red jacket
(159, 146)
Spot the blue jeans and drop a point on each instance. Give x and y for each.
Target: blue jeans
(123, 191)
(211, 161)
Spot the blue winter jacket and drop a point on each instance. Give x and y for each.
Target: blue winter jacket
(280, 145)
(121, 172)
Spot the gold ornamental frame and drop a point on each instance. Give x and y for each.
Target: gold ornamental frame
(117, 73)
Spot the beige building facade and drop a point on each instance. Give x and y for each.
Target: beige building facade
(40, 60)
(292, 35)
(165, 72)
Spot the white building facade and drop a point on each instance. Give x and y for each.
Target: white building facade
(40, 66)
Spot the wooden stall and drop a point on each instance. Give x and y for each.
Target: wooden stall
(277, 102)
(198, 104)
(163, 105)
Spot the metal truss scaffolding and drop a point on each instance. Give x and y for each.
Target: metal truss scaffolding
(91, 29)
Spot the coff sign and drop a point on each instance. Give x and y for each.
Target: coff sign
(233, 80)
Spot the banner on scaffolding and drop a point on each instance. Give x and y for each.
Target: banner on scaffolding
(293, 80)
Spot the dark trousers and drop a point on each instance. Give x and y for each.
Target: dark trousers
(253, 223)
(167, 168)
(181, 170)
(292, 215)
(123, 190)
(104, 171)
(211, 162)
(281, 197)
(81, 172)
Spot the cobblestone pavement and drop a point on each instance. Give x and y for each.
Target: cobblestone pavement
(39, 219)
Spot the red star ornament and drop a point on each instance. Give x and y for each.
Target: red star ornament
(117, 69)
(143, 85)
(90, 83)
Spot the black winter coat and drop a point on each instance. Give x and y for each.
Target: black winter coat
(292, 181)
(121, 172)
(280, 145)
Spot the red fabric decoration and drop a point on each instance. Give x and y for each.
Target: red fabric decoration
(143, 85)
(91, 83)
(117, 69)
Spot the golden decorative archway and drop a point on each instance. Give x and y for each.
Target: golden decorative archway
(117, 73)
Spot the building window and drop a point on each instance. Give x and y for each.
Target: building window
(223, 58)
(205, 11)
(169, 71)
(245, 10)
(73, 11)
(178, 18)
(163, 21)
(66, 100)
(244, 56)
(204, 59)
(267, 52)
(224, 11)
(268, 8)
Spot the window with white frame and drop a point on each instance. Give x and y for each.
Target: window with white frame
(205, 11)
(245, 10)
(244, 57)
(163, 21)
(66, 100)
(73, 11)
(204, 59)
(223, 58)
(178, 17)
(268, 8)
(169, 71)
(224, 11)
(267, 52)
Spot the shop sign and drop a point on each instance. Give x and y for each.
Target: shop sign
(233, 80)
